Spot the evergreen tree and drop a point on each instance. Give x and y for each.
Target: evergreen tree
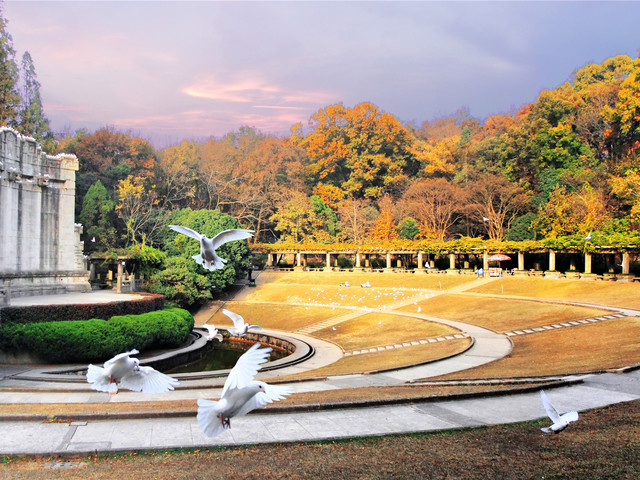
(31, 120)
(9, 97)
(97, 216)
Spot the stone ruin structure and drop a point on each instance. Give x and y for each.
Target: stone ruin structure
(40, 247)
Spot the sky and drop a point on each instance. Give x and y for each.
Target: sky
(168, 71)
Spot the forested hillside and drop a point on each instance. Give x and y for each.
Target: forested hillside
(568, 163)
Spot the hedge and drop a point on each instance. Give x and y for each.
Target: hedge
(97, 340)
(54, 313)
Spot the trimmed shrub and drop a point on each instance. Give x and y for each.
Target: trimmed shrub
(54, 313)
(96, 339)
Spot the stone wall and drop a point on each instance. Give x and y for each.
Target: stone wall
(40, 247)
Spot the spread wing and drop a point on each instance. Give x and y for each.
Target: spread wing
(238, 321)
(120, 356)
(208, 420)
(272, 393)
(549, 408)
(231, 235)
(570, 417)
(148, 380)
(186, 231)
(246, 368)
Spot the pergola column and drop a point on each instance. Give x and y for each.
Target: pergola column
(119, 279)
(552, 260)
(626, 260)
(520, 260)
(420, 263)
(452, 263)
(358, 260)
(485, 262)
(587, 263)
(327, 267)
(389, 260)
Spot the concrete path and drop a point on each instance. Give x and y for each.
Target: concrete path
(29, 437)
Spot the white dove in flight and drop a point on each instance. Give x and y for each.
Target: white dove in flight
(213, 332)
(127, 373)
(240, 394)
(240, 327)
(208, 246)
(560, 422)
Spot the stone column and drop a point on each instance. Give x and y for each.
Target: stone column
(552, 260)
(587, 267)
(485, 262)
(358, 261)
(520, 260)
(452, 263)
(420, 263)
(327, 266)
(626, 260)
(119, 278)
(298, 265)
(388, 260)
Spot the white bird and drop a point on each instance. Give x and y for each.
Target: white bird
(560, 422)
(240, 394)
(240, 327)
(208, 246)
(588, 237)
(366, 284)
(213, 332)
(485, 219)
(127, 373)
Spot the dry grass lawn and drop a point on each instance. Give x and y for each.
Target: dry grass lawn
(604, 444)
(386, 280)
(585, 291)
(580, 349)
(380, 329)
(278, 317)
(387, 359)
(501, 314)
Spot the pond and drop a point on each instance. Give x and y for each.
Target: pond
(222, 356)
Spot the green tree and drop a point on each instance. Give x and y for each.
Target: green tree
(97, 217)
(408, 228)
(9, 96)
(31, 119)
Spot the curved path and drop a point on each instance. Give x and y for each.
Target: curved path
(35, 437)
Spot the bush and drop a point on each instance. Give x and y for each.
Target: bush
(96, 339)
(54, 313)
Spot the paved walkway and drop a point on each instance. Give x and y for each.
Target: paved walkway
(31, 437)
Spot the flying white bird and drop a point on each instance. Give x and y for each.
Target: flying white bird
(213, 332)
(240, 394)
(240, 327)
(560, 422)
(588, 237)
(485, 219)
(127, 373)
(208, 246)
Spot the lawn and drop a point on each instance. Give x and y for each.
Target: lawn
(604, 444)
(585, 348)
(585, 291)
(501, 314)
(380, 329)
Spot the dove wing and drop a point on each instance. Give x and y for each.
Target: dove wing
(272, 393)
(186, 231)
(549, 408)
(148, 380)
(231, 235)
(246, 368)
(119, 357)
(238, 321)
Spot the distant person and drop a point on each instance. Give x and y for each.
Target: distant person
(251, 280)
(480, 272)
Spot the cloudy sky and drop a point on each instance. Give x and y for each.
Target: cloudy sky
(173, 70)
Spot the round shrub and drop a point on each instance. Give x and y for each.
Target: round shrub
(97, 340)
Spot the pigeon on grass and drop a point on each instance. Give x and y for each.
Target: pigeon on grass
(560, 422)
(208, 246)
(240, 394)
(126, 372)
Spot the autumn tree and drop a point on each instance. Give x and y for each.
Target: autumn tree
(361, 150)
(297, 220)
(384, 228)
(436, 204)
(569, 213)
(495, 202)
(356, 215)
(137, 207)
